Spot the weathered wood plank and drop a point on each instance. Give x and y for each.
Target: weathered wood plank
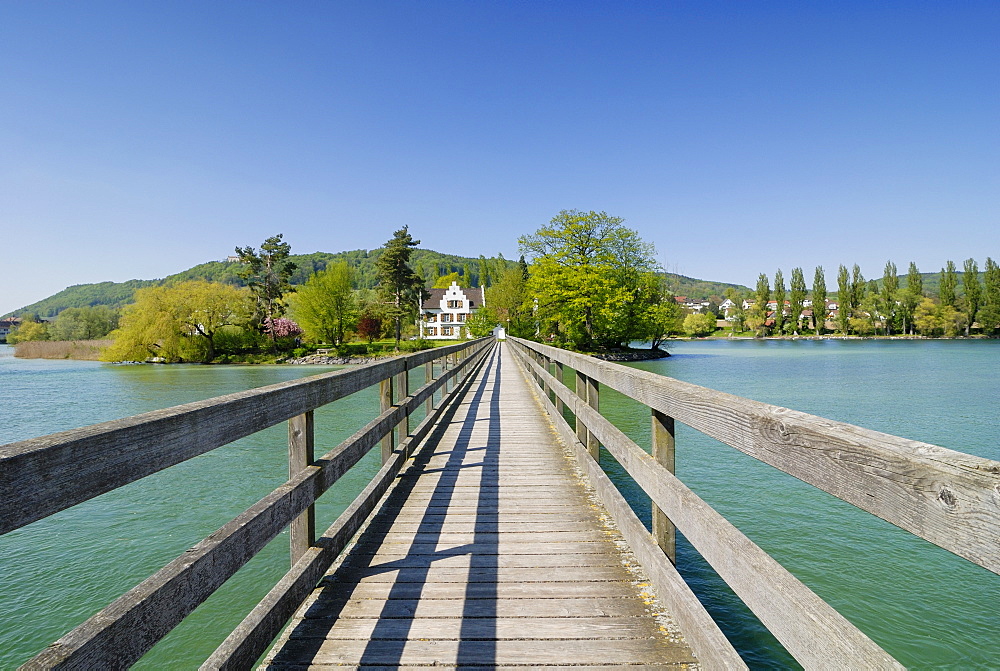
(943, 496)
(481, 584)
(499, 653)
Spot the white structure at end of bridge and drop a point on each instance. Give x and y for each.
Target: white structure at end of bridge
(443, 315)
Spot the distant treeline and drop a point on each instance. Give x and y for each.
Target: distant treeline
(428, 264)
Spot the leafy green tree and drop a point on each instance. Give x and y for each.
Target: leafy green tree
(779, 302)
(482, 322)
(699, 324)
(796, 298)
(589, 274)
(84, 323)
(989, 312)
(179, 322)
(28, 331)
(844, 311)
(757, 319)
(507, 299)
(445, 281)
(267, 275)
(665, 317)
(737, 316)
(973, 292)
(400, 288)
(819, 300)
(912, 297)
(325, 306)
(949, 285)
(857, 291)
(888, 296)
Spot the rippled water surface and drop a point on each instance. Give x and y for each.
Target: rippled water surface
(925, 606)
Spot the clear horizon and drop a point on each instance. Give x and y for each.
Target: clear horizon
(739, 138)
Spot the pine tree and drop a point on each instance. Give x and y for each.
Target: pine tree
(267, 275)
(398, 285)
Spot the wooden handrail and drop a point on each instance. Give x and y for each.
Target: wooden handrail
(946, 497)
(813, 632)
(41, 476)
(126, 629)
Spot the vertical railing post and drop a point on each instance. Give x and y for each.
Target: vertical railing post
(593, 400)
(301, 437)
(385, 402)
(559, 376)
(428, 378)
(402, 381)
(664, 532)
(581, 391)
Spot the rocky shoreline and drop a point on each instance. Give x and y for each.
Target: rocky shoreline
(633, 355)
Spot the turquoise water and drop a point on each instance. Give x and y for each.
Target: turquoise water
(927, 607)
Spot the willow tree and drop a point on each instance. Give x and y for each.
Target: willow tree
(590, 278)
(179, 322)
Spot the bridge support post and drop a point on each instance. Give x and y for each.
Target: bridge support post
(402, 381)
(428, 378)
(560, 378)
(301, 441)
(664, 532)
(385, 402)
(587, 389)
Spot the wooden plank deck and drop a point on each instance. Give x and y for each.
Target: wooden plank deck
(490, 550)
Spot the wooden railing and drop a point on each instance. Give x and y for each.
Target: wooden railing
(42, 476)
(948, 498)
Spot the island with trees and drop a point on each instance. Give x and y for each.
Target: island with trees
(584, 281)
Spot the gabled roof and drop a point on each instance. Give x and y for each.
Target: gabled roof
(474, 296)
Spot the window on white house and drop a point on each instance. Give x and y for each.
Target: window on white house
(455, 304)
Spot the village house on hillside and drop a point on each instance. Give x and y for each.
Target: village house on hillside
(8, 325)
(443, 315)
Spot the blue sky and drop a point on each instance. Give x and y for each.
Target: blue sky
(138, 139)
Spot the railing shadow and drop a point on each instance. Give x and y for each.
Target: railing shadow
(476, 634)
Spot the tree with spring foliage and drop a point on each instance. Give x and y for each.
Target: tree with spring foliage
(819, 300)
(973, 292)
(590, 277)
(267, 274)
(325, 306)
(779, 302)
(887, 296)
(948, 291)
(911, 297)
(400, 288)
(796, 298)
(989, 311)
(843, 300)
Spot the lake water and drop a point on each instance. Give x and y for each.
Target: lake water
(927, 607)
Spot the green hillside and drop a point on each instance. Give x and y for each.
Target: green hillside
(427, 263)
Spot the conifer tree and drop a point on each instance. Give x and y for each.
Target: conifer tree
(398, 285)
(267, 276)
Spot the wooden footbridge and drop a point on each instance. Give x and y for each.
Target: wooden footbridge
(491, 536)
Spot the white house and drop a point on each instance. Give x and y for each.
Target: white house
(443, 315)
(8, 325)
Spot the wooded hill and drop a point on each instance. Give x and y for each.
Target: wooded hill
(427, 263)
